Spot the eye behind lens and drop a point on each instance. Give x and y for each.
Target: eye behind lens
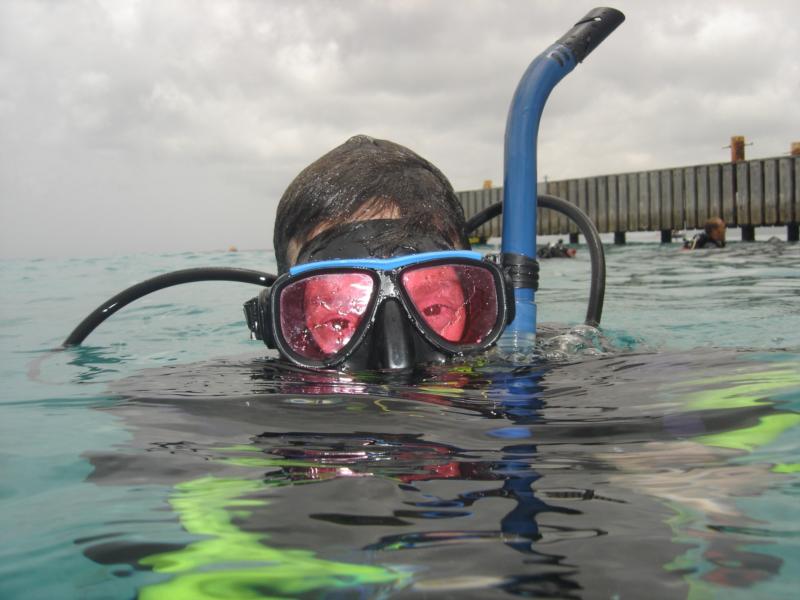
(456, 302)
(319, 314)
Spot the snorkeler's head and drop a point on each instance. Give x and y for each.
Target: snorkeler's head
(369, 240)
(715, 229)
(368, 179)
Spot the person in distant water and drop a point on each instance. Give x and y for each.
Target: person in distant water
(712, 237)
(375, 266)
(557, 250)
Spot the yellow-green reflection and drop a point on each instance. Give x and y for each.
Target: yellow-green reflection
(748, 389)
(750, 438)
(236, 564)
(743, 389)
(706, 563)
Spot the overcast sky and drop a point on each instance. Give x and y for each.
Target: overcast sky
(159, 125)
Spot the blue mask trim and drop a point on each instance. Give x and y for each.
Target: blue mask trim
(386, 264)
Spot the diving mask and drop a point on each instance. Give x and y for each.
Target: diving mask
(319, 314)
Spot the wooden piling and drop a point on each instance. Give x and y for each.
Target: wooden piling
(654, 197)
(572, 197)
(677, 199)
(591, 199)
(665, 218)
(770, 193)
(603, 208)
(644, 202)
(728, 194)
(632, 200)
(786, 182)
(623, 214)
(690, 197)
(737, 148)
(742, 193)
(756, 178)
(559, 222)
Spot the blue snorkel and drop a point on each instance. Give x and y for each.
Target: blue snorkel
(520, 181)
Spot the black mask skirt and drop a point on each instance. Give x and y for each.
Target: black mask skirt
(376, 238)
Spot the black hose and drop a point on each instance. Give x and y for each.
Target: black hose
(487, 214)
(125, 297)
(597, 288)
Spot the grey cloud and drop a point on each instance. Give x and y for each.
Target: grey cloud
(115, 114)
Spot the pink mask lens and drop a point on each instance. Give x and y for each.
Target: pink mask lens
(458, 302)
(320, 314)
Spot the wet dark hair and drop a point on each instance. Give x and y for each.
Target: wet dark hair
(362, 179)
(713, 224)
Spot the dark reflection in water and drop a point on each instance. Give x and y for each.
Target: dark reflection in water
(567, 480)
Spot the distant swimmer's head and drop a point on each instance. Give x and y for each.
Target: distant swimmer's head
(376, 271)
(715, 229)
(368, 179)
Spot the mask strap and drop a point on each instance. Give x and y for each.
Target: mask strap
(257, 314)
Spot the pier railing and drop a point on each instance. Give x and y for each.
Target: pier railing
(747, 194)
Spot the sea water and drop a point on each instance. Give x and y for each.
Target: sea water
(172, 457)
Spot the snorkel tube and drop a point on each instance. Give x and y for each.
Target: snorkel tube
(519, 181)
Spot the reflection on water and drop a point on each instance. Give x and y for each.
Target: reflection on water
(479, 481)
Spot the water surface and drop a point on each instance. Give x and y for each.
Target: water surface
(173, 458)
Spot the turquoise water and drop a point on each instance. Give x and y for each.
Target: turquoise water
(171, 458)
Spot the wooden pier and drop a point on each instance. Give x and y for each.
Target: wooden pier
(745, 194)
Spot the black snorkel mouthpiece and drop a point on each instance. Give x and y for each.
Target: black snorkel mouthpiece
(588, 33)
